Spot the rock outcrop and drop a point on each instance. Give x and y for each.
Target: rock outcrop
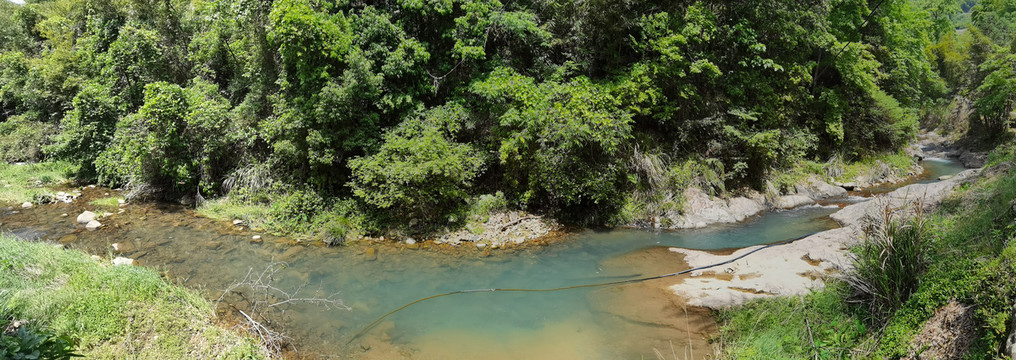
(701, 210)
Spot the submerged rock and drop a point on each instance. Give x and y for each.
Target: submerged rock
(86, 217)
(371, 254)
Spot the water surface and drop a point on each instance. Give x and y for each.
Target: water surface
(626, 322)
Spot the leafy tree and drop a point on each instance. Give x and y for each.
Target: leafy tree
(420, 171)
(561, 142)
(172, 143)
(89, 127)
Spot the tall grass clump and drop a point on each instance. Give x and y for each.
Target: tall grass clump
(889, 262)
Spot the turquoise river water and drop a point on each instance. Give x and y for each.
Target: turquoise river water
(621, 322)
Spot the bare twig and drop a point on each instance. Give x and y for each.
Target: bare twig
(263, 303)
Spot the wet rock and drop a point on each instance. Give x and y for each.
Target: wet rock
(371, 254)
(64, 215)
(945, 177)
(412, 246)
(255, 239)
(792, 201)
(92, 225)
(120, 260)
(26, 205)
(86, 217)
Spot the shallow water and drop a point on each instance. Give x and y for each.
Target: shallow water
(621, 322)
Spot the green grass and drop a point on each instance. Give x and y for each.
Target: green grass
(20, 183)
(107, 202)
(776, 328)
(114, 312)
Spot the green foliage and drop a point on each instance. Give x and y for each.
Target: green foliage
(996, 96)
(114, 311)
(88, 128)
(420, 170)
(172, 143)
(24, 344)
(184, 96)
(23, 140)
(561, 143)
(778, 328)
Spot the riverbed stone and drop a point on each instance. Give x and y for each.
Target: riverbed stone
(92, 225)
(120, 260)
(816, 189)
(370, 254)
(86, 217)
(792, 201)
(255, 239)
(67, 239)
(26, 205)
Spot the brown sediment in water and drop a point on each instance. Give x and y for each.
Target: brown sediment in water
(653, 316)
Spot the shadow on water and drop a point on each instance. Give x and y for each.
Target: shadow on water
(627, 321)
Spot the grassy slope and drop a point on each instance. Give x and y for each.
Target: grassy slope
(972, 260)
(20, 183)
(115, 312)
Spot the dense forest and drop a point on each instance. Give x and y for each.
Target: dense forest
(407, 113)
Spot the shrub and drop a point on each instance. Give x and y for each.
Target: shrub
(888, 264)
(88, 128)
(419, 171)
(175, 141)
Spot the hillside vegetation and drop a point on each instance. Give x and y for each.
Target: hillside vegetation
(402, 114)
